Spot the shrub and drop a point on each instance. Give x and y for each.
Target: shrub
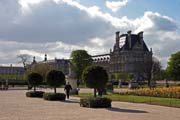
(54, 96)
(38, 94)
(99, 102)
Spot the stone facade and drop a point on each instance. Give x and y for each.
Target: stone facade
(130, 55)
(58, 64)
(11, 70)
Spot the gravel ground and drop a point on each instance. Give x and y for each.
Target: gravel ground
(15, 106)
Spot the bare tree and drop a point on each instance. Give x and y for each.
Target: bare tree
(24, 59)
(156, 67)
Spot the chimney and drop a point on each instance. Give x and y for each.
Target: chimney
(140, 36)
(45, 57)
(151, 50)
(34, 59)
(116, 45)
(117, 37)
(129, 38)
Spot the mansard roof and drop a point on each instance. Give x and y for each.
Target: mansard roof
(135, 39)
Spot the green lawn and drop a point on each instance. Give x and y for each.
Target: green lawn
(140, 99)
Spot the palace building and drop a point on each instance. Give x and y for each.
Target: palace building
(130, 55)
(11, 70)
(59, 64)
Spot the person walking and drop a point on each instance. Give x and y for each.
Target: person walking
(67, 89)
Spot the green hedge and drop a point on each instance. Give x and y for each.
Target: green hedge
(54, 96)
(98, 102)
(38, 94)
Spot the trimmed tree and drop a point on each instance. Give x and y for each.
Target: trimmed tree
(55, 79)
(34, 79)
(80, 59)
(42, 69)
(95, 77)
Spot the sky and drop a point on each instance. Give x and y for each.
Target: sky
(56, 27)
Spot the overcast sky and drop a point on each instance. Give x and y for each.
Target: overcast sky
(56, 27)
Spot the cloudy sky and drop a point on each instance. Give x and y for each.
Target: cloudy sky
(57, 27)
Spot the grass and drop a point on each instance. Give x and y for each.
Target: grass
(171, 102)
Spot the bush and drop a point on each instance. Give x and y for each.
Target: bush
(54, 96)
(38, 94)
(99, 102)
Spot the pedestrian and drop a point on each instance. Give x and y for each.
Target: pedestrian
(67, 89)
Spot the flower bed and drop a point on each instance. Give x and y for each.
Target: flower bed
(172, 92)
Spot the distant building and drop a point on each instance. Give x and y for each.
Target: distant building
(11, 70)
(59, 64)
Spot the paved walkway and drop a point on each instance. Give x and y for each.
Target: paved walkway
(15, 106)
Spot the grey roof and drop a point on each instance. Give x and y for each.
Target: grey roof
(134, 40)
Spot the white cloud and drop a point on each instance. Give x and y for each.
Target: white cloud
(26, 4)
(116, 5)
(154, 21)
(97, 41)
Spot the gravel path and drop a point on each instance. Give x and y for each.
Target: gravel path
(15, 106)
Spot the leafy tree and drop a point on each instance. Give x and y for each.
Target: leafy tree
(80, 59)
(122, 76)
(161, 75)
(112, 77)
(35, 79)
(130, 76)
(95, 77)
(173, 67)
(55, 79)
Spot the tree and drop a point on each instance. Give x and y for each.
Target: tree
(95, 77)
(156, 68)
(24, 59)
(112, 77)
(130, 77)
(55, 79)
(42, 69)
(80, 59)
(122, 76)
(173, 67)
(35, 79)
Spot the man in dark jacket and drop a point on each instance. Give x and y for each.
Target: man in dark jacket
(67, 89)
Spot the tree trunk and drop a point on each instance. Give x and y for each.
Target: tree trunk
(55, 90)
(94, 92)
